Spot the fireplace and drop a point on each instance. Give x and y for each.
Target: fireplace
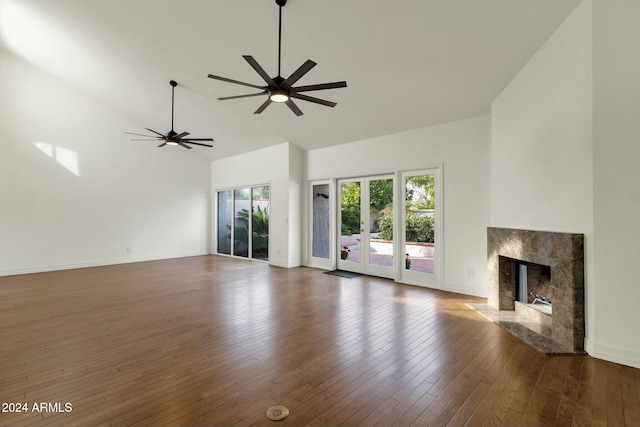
(536, 287)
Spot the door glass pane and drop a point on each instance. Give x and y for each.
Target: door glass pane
(381, 222)
(350, 221)
(260, 223)
(224, 222)
(241, 222)
(320, 242)
(419, 223)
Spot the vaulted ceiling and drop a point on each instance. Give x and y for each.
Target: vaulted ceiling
(408, 63)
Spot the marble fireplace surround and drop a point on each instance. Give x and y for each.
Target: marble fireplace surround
(564, 253)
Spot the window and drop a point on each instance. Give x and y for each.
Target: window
(320, 221)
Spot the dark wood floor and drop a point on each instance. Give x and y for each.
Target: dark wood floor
(217, 341)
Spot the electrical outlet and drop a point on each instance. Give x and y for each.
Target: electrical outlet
(471, 273)
(128, 250)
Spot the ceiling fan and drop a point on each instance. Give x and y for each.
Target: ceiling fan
(279, 89)
(172, 137)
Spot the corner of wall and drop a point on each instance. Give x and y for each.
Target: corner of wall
(296, 183)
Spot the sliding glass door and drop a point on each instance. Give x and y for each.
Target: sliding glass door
(225, 221)
(243, 222)
(260, 223)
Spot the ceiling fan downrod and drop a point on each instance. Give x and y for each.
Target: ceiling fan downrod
(173, 84)
(281, 4)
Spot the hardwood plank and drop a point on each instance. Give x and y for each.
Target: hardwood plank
(405, 404)
(480, 414)
(215, 341)
(446, 405)
(507, 384)
(631, 403)
(511, 418)
(529, 380)
(566, 409)
(582, 415)
(600, 401)
(378, 413)
(469, 406)
(615, 410)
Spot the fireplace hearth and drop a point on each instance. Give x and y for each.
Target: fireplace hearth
(536, 287)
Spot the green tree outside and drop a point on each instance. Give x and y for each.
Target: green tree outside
(419, 194)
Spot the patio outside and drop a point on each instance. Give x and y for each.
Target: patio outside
(422, 257)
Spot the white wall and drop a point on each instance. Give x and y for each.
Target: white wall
(88, 193)
(271, 166)
(463, 147)
(564, 158)
(616, 127)
(295, 205)
(541, 148)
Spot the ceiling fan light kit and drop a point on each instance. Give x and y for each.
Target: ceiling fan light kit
(279, 89)
(172, 137)
(277, 95)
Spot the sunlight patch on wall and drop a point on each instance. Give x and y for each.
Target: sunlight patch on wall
(33, 37)
(26, 34)
(64, 156)
(68, 159)
(45, 148)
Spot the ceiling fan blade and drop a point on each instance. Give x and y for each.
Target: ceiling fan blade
(259, 69)
(151, 130)
(155, 139)
(312, 99)
(198, 139)
(294, 107)
(197, 143)
(224, 79)
(181, 144)
(182, 135)
(139, 134)
(162, 145)
(321, 86)
(263, 106)
(297, 74)
(243, 96)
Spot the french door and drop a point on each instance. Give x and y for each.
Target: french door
(420, 230)
(387, 225)
(365, 226)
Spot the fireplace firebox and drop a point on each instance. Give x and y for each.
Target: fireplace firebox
(533, 285)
